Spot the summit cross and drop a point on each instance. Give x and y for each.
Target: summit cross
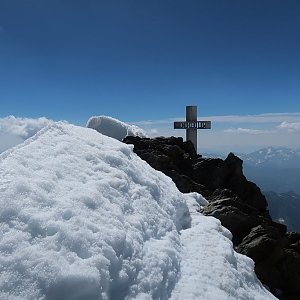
(191, 125)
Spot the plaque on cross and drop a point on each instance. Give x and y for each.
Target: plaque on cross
(191, 125)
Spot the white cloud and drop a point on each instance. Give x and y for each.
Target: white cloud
(15, 130)
(247, 131)
(295, 126)
(23, 127)
(154, 122)
(8, 140)
(229, 133)
(153, 131)
(236, 132)
(259, 118)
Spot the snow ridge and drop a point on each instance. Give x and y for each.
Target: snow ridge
(83, 218)
(210, 268)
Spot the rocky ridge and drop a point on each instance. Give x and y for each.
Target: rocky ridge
(237, 203)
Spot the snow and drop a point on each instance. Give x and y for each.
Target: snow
(114, 127)
(210, 268)
(83, 218)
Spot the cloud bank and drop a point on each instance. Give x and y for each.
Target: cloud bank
(14, 130)
(290, 126)
(258, 118)
(23, 127)
(247, 131)
(229, 133)
(237, 133)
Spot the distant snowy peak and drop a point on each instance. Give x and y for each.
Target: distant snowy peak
(114, 127)
(276, 156)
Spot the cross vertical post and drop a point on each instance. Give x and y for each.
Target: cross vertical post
(192, 124)
(191, 133)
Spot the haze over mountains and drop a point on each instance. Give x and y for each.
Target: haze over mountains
(276, 170)
(274, 156)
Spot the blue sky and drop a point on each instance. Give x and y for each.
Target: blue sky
(145, 60)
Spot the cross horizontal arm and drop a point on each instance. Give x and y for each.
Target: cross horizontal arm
(193, 125)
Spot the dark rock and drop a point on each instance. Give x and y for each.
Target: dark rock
(236, 216)
(228, 174)
(185, 184)
(236, 202)
(292, 240)
(289, 267)
(263, 245)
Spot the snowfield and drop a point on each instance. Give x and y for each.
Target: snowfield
(84, 218)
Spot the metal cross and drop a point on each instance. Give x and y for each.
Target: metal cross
(191, 125)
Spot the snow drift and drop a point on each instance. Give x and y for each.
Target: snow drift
(83, 218)
(114, 128)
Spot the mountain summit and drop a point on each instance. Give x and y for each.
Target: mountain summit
(237, 202)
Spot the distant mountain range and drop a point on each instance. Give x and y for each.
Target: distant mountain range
(279, 157)
(274, 169)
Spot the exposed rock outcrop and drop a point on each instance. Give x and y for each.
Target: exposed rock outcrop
(237, 203)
